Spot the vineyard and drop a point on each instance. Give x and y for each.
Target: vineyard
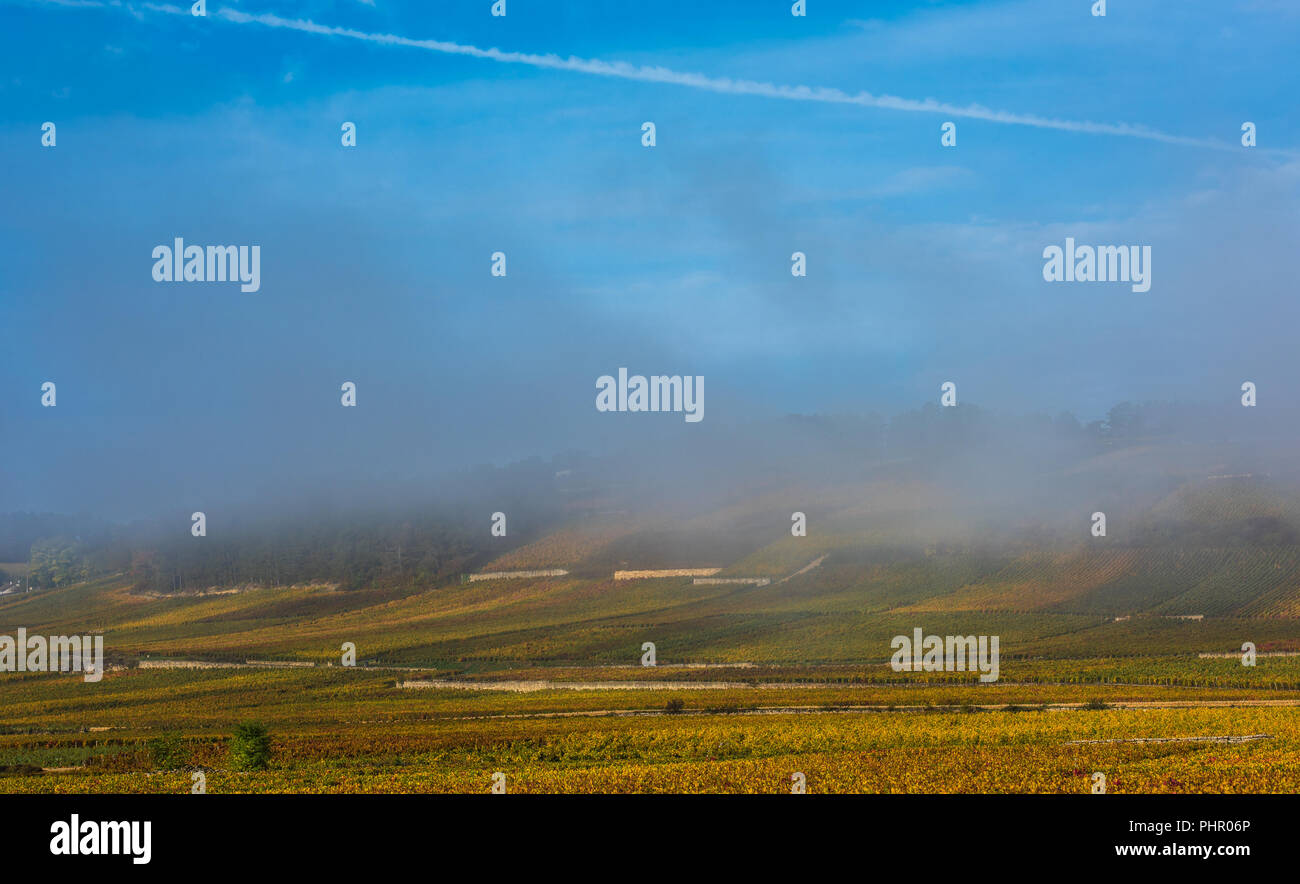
(1030, 750)
(1099, 641)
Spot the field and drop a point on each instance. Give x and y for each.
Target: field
(1119, 656)
(339, 730)
(541, 680)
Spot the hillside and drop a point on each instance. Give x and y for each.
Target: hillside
(880, 557)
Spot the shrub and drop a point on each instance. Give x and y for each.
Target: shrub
(168, 751)
(674, 706)
(250, 747)
(1095, 704)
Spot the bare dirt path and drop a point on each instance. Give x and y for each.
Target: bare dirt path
(850, 710)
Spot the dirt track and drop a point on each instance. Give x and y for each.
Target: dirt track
(883, 710)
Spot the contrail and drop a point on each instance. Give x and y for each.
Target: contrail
(655, 74)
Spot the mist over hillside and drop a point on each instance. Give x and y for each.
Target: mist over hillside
(717, 496)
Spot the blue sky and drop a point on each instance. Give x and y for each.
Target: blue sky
(924, 262)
